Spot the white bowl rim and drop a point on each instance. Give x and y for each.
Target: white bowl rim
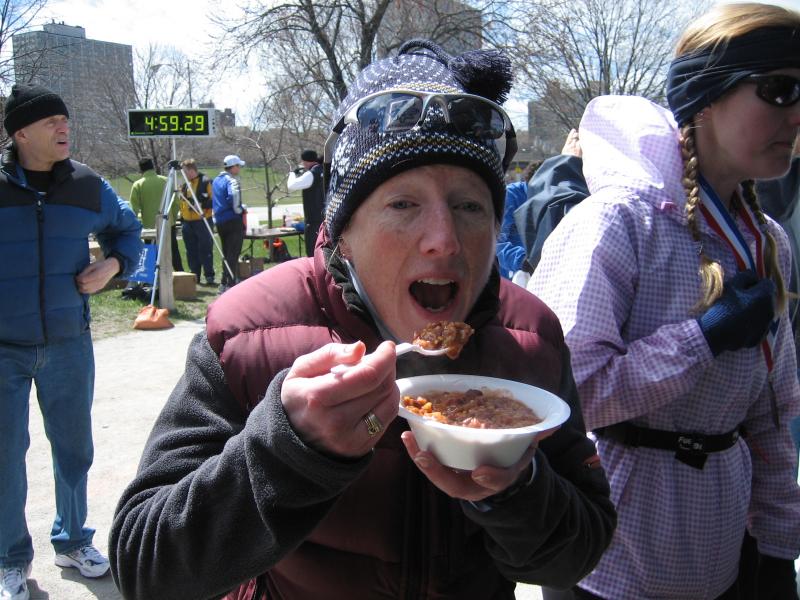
(555, 418)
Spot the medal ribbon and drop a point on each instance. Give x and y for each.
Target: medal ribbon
(721, 221)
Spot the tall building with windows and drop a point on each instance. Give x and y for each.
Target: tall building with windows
(225, 118)
(546, 132)
(558, 109)
(94, 78)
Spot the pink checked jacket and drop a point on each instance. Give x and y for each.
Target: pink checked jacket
(621, 273)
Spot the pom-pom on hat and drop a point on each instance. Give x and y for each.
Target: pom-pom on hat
(27, 103)
(362, 158)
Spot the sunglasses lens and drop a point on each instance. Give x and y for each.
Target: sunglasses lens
(476, 119)
(779, 90)
(390, 112)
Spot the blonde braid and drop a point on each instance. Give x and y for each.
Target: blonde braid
(711, 274)
(771, 268)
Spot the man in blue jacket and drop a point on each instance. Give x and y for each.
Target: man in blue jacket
(226, 196)
(49, 205)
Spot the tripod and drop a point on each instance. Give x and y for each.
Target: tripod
(168, 197)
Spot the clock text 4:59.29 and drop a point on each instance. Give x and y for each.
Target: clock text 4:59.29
(170, 122)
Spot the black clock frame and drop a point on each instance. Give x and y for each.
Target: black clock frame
(171, 122)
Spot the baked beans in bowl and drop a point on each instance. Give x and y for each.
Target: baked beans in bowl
(480, 420)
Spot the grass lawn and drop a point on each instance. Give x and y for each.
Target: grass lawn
(114, 315)
(252, 180)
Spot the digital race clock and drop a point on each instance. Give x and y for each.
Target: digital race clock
(171, 122)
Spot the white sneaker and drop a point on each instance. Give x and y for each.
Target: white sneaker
(86, 559)
(13, 584)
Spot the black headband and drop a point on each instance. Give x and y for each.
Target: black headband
(696, 80)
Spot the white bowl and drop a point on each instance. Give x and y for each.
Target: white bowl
(467, 447)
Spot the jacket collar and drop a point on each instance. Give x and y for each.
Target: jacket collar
(9, 162)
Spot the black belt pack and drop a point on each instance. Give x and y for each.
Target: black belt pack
(690, 448)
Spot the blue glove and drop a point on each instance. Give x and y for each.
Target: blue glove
(741, 316)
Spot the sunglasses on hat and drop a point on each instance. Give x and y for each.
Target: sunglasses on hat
(400, 110)
(776, 89)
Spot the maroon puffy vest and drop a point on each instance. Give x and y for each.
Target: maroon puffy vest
(391, 534)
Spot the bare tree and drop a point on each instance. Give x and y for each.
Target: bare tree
(313, 49)
(162, 77)
(157, 85)
(279, 129)
(17, 16)
(455, 25)
(574, 50)
(267, 144)
(304, 44)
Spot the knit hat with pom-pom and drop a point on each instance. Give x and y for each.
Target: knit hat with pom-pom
(362, 159)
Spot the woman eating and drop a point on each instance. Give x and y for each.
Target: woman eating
(269, 476)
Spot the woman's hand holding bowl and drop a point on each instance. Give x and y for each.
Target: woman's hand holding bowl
(478, 484)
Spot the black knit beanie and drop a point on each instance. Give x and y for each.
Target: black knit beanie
(28, 103)
(309, 156)
(361, 159)
(146, 164)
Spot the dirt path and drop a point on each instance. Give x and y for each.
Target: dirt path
(134, 374)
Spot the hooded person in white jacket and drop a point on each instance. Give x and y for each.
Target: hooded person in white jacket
(669, 283)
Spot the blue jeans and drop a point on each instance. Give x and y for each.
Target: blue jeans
(64, 376)
(199, 248)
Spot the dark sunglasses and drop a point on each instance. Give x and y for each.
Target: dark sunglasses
(399, 110)
(776, 89)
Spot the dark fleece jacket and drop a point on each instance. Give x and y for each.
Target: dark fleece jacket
(229, 499)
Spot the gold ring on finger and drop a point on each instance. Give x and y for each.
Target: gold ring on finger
(374, 425)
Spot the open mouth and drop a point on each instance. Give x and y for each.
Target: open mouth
(434, 295)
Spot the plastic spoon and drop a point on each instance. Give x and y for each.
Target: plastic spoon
(400, 349)
(406, 347)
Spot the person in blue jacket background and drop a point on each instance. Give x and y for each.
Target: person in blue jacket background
(510, 250)
(226, 193)
(49, 205)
